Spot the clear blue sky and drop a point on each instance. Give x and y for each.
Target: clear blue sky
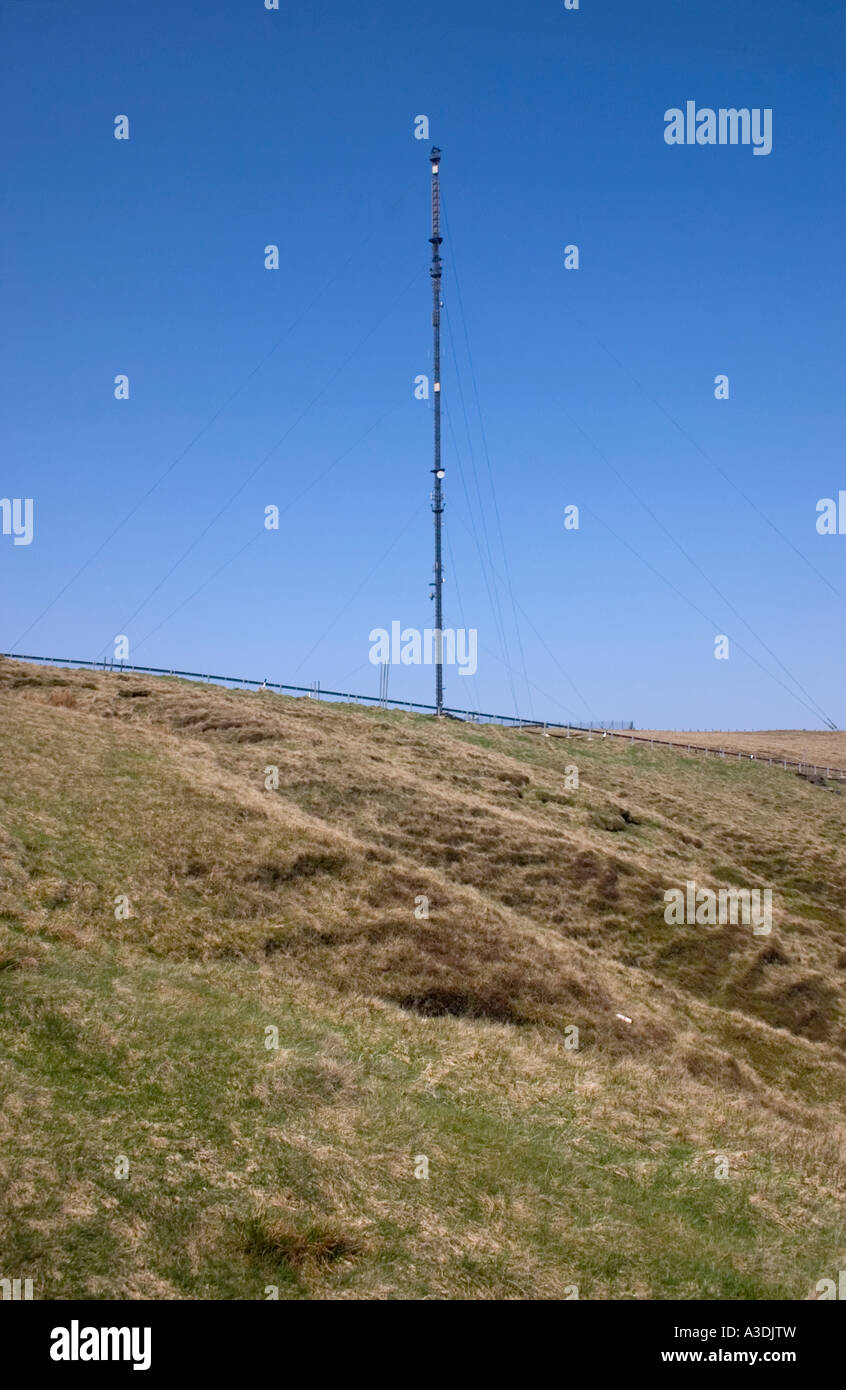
(247, 386)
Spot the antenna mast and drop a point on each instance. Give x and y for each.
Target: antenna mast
(437, 496)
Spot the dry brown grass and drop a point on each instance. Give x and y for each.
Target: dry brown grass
(277, 1238)
(534, 891)
(817, 747)
(63, 698)
(545, 912)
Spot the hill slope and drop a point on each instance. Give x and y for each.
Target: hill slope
(163, 910)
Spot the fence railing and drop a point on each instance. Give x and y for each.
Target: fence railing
(616, 729)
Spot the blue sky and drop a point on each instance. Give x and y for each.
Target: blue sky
(594, 387)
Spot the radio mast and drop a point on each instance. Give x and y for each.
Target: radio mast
(437, 496)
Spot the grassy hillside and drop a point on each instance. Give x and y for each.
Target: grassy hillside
(143, 1037)
(817, 747)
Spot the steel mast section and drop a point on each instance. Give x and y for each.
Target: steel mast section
(435, 271)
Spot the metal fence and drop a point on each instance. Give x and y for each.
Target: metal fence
(614, 728)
